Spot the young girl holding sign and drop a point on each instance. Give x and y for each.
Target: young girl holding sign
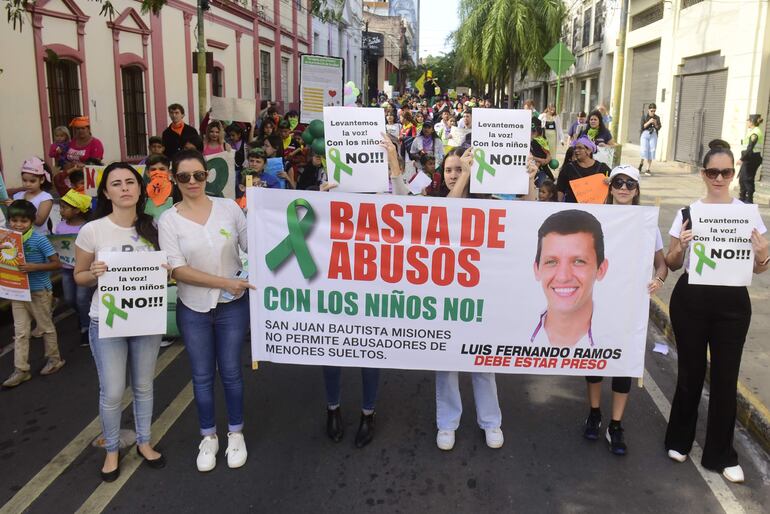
(714, 319)
(120, 225)
(624, 190)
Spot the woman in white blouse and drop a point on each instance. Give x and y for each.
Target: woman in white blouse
(201, 236)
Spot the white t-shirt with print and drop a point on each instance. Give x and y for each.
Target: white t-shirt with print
(103, 235)
(211, 248)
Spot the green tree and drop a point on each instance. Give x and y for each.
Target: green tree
(498, 38)
(15, 9)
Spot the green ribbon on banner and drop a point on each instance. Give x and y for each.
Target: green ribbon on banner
(480, 157)
(339, 166)
(699, 249)
(294, 243)
(108, 300)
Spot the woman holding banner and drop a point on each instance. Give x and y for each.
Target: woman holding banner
(709, 318)
(202, 236)
(583, 165)
(120, 224)
(624, 190)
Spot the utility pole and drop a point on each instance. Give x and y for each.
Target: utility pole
(203, 5)
(619, 72)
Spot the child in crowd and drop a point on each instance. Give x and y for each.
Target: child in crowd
(541, 152)
(273, 148)
(60, 145)
(78, 181)
(155, 147)
(195, 143)
(548, 192)
(312, 174)
(159, 187)
(36, 179)
(256, 170)
(75, 209)
(298, 157)
(40, 259)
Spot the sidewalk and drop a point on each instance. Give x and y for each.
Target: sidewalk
(672, 186)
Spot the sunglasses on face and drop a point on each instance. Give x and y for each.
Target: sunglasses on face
(713, 173)
(617, 183)
(184, 178)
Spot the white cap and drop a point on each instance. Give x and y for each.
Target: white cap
(625, 169)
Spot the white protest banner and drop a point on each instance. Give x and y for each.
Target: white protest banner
(64, 245)
(321, 82)
(500, 139)
(93, 177)
(233, 109)
(720, 251)
(446, 284)
(355, 160)
(132, 294)
(222, 175)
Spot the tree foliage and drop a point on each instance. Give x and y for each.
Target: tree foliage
(498, 38)
(15, 10)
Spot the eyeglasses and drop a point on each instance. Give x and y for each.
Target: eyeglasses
(184, 178)
(617, 183)
(713, 173)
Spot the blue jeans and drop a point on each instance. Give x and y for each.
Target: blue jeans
(213, 340)
(370, 378)
(111, 355)
(76, 296)
(648, 142)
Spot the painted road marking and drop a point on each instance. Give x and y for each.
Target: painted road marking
(716, 483)
(104, 494)
(51, 471)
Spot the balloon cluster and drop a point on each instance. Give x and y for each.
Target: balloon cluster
(313, 136)
(351, 94)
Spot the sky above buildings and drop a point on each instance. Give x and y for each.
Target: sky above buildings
(438, 18)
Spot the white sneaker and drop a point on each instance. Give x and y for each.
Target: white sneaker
(445, 439)
(494, 437)
(675, 455)
(236, 450)
(207, 456)
(734, 474)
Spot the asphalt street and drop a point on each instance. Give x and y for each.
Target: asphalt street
(47, 463)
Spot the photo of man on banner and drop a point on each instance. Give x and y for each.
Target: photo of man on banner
(569, 261)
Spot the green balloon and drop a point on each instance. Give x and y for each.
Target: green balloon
(316, 128)
(553, 164)
(318, 146)
(307, 137)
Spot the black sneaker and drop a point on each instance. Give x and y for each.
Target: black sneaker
(615, 438)
(84, 341)
(593, 424)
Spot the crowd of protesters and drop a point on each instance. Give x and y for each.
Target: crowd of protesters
(167, 208)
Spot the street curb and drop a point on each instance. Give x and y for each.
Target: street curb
(751, 412)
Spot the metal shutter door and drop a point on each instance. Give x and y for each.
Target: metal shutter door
(692, 94)
(644, 86)
(765, 176)
(714, 110)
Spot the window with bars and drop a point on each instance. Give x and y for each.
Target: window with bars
(647, 17)
(217, 82)
(63, 91)
(133, 111)
(587, 27)
(575, 39)
(598, 21)
(285, 79)
(264, 75)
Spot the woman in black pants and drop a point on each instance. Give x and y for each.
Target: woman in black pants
(713, 317)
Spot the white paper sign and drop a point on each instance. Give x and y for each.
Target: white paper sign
(412, 282)
(64, 245)
(222, 175)
(500, 140)
(233, 109)
(355, 161)
(720, 252)
(320, 85)
(419, 182)
(132, 294)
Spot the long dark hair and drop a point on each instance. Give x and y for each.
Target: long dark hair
(602, 127)
(144, 224)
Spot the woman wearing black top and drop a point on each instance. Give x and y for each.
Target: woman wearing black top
(648, 140)
(582, 166)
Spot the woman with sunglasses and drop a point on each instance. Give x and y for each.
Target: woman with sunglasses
(201, 236)
(709, 319)
(624, 190)
(119, 224)
(583, 165)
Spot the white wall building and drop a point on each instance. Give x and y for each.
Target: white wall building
(342, 39)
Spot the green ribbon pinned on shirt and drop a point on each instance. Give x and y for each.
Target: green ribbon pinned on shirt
(339, 166)
(108, 300)
(294, 243)
(480, 157)
(225, 233)
(699, 249)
